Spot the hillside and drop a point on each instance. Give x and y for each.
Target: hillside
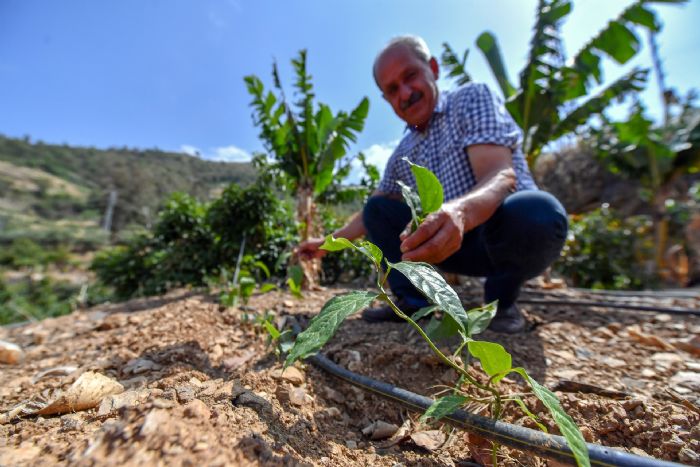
(59, 181)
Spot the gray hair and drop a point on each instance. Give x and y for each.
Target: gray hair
(415, 44)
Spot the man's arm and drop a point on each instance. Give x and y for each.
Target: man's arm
(353, 229)
(440, 235)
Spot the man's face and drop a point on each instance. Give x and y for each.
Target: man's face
(408, 84)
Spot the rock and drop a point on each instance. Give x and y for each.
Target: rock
(687, 379)
(688, 456)
(216, 352)
(648, 373)
(140, 365)
(333, 395)
(233, 363)
(430, 440)
(130, 398)
(154, 422)
(87, 392)
(613, 362)
(184, 394)
(648, 339)
(582, 353)
(197, 409)
(290, 374)
(298, 397)
(567, 373)
(690, 344)
(379, 430)
(695, 432)
(333, 412)
(162, 403)
(71, 422)
(663, 361)
(351, 444)
(10, 353)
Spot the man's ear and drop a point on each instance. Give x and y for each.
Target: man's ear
(434, 67)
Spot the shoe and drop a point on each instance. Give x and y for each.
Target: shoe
(508, 321)
(386, 313)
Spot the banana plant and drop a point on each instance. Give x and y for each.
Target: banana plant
(655, 155)
(551, 99)
(307, 142)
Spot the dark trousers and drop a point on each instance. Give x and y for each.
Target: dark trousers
(522, 238)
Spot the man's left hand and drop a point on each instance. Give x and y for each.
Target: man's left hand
(437, 238)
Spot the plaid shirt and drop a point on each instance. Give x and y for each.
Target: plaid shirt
(469, 115)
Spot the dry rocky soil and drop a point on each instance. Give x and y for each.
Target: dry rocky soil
(198, 384)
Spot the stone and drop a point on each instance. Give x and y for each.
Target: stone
(351, 444)
(197, 409)
(216, 352)
(290, 374)
(140, 365)
(613, 362)
(333, 395)
(380, 430)
(154, 422)
(333, 412)
(298, 397)
(688, 456)
(430, 440)
(10, 353)
(184, 394)
(130, 398)
(687, 379)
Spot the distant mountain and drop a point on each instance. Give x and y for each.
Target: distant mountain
(59, 182)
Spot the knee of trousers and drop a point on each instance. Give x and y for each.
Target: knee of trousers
(537, 221)
(385, 215)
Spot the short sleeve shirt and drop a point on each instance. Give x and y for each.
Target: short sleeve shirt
(470, 115)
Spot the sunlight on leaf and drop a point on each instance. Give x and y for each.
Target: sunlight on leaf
(493, 357)
(327, 322)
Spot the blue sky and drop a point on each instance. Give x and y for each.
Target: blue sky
(169, 73)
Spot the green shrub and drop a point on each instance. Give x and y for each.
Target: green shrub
(605, 251)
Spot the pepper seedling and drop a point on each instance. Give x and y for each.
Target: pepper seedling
(495, 360)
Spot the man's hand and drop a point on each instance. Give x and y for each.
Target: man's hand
(309, 249)
(437, 238)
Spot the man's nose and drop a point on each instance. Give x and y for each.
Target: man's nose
(405, 92)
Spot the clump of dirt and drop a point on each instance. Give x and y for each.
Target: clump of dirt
(201, 385)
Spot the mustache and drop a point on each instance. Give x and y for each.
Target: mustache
(412, 99)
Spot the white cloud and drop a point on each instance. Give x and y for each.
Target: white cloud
(230, 154)
(225, 154)
(190, 150)
(376, 154)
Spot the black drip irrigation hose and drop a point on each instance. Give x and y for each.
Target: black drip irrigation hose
(618, 305)
(518, 437)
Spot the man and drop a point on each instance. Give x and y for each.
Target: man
(494, 223)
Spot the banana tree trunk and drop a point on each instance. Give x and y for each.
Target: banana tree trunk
(307, 219)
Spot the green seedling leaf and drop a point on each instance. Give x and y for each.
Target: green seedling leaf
(429, 188)
(367, 248)
(426, 279)
(439, 329)
(495, 360)
(266, 287)
(336, 244)
(295, 275)
(271, 330)
(413, 202)
(327, 322)
(480, 318)
(442, 407)
(423, 312)
(565, 423)
(372, 251)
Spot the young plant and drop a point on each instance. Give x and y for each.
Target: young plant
(495, 360)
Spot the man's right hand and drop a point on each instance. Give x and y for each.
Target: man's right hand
(309, 249)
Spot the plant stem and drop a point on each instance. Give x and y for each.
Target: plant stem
(437, 351)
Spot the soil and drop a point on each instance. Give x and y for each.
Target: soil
(202, 387)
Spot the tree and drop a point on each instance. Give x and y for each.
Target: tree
(307, 143)
(655, 155)
(549, 102)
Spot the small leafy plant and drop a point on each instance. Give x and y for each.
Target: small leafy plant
(495, 360)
